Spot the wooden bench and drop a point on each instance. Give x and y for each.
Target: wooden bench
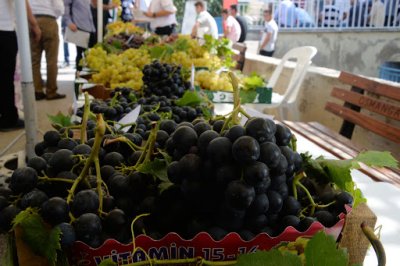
(240, 56)
(356, 99)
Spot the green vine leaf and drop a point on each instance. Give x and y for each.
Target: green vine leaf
(322, 250)
(190, 98)
(43, 241)
(273, 257)
(108, 262)
(156, 168)
(60, 120)
(339, 171)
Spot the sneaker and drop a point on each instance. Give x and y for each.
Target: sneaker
(55, 97)
(65, 65)
(18, 125)
(39, 96)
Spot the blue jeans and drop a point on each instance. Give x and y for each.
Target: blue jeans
(66, 53)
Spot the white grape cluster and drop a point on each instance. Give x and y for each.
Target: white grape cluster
(212, 81)
(118, 70)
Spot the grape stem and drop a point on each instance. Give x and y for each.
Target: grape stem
(375, 242)
(100, 130)
(55, 179)
(99, 182)
(313, 204)
(293, 142)
(85, 118)
(236, 98)
(132, 145)
(114, 99)
(296, 180)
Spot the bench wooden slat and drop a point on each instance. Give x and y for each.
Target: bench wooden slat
(380, 128)
(370, 85)
(368, 103)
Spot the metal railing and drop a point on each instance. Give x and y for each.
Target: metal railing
(324, 14)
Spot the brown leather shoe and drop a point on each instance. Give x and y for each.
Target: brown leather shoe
(39, 96)
(55, 97)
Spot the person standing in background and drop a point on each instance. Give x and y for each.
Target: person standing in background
(107, 6)
(269, 35)
(78, 16)
(163, 14)
(9, 119)
(285, 14)
(344, 7)
(330, 15)
(242, 22)
(126, 12)
(65, 44)
(232, 29)
(46, 13)
(304, 20)
(356, 14)
(205, 23)
(377, 15)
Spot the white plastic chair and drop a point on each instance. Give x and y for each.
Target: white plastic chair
(285, 103)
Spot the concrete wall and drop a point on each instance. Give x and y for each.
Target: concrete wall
(314, 93)
(357, 52)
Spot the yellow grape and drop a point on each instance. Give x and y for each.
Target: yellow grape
(212, 81)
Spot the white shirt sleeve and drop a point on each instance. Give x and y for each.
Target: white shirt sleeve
(58, 6)
(201, 18)
(168, 5)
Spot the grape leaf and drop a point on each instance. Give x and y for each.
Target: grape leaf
(43, 241)
(60, 120)
(156, 168)
(273, 257)
(108, 262)
(247, 96)
(132, 97)
(190, 98)
(338, 171)
(377, 159)
(321, 250)
(206, 112)
(164, 185)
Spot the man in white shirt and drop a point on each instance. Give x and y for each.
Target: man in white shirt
(232, 28)
(163, 14)
(46, 13)
(285, 14)
(9, 119)
(377, 15)
(269, 35)
(205, 23)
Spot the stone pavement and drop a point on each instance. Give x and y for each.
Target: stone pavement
(66, 86)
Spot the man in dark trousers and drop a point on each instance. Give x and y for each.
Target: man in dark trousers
(242, 22)
(9, 119)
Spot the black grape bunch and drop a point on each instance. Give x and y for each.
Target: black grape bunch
(163, 79)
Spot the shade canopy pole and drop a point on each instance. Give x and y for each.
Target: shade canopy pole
(99, 21)
(28, 90)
